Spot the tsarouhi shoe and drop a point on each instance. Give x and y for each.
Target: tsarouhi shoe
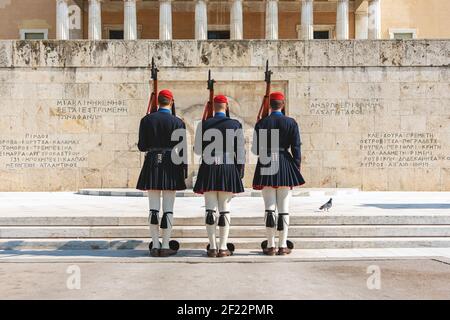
(270, 251)
(154, 252)
(224, 253)
(212, 253)
(284, 251)
(167, 252)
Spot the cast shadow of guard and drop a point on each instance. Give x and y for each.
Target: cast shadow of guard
(407, 205)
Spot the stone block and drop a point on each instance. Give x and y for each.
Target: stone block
(291, 53)
(366, 53)
(26, 53)
(392, 52)
(6, 54)
(374, 90)
(131, 54)
(161, 51)
(349, 177)
(130, 91)
(438, 53)
(318, 53)
(341, 53)
(114, 178)
(52, 54)
(419, 90)
(415, 53)
(261, 51)
(224, 53)
(115, 141)
(375, 179)
(102, 53)
(413, 123)
(78, 53)
(185, 53)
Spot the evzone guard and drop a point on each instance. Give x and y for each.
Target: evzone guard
(161, 174)
(221, 142)
(277, 144)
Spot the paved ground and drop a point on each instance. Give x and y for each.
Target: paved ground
(404, 279)
(362, 203)
(307, 274)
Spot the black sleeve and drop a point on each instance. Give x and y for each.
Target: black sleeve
(143, 143)
(239, 145)
(255, 147)
(296, 144)
(183, 152)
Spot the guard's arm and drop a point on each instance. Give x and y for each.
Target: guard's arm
(143, 143)
(296, 145)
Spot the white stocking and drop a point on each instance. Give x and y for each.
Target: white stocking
(283, 197)
(270, 201)
(224, 211)
(211, 203)
(168, 201)
(154, 201)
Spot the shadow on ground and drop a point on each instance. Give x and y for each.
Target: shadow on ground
(407, 205)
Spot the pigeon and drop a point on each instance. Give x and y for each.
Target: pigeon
(327, 205)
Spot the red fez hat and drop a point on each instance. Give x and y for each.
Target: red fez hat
(277, 96)
(220, 99)
(166, 93)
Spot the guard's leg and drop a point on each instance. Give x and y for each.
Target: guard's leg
(283, 197)
(211, 205)
(154, 201)
(167, 222)
(224, 199)
(270, 199)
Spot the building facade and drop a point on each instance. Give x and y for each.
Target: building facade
(226, 19)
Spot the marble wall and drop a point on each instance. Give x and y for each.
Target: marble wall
(373, 114)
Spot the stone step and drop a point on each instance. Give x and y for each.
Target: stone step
(299, 192)
(240, 243)
(252, 219)
(347, 231)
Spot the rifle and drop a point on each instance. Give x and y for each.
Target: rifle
(208, 111)
(153, 103)
(264, 110)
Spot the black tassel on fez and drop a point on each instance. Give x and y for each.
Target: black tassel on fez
(270, 219)
(164, 220)
(222, 222)
(154, 217)
(210, 217)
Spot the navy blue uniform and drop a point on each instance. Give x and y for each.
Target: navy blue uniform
(287, 153)
(227, 170)
(155, 133)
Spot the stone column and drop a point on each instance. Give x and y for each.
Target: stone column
(271, 19)
(374, 28)
(236, 20)
(165, 20)
(95, 20)
(62, 20)
(201, 20)
(342, 20)
(307, 20)
(361, 25)
(130, 20)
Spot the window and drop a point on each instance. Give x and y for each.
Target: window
(218, 31)
(402, 34)
(219, 34)
(115, 34)
(321, 34)
(33, 34)
(115, 31)
(320, 31)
